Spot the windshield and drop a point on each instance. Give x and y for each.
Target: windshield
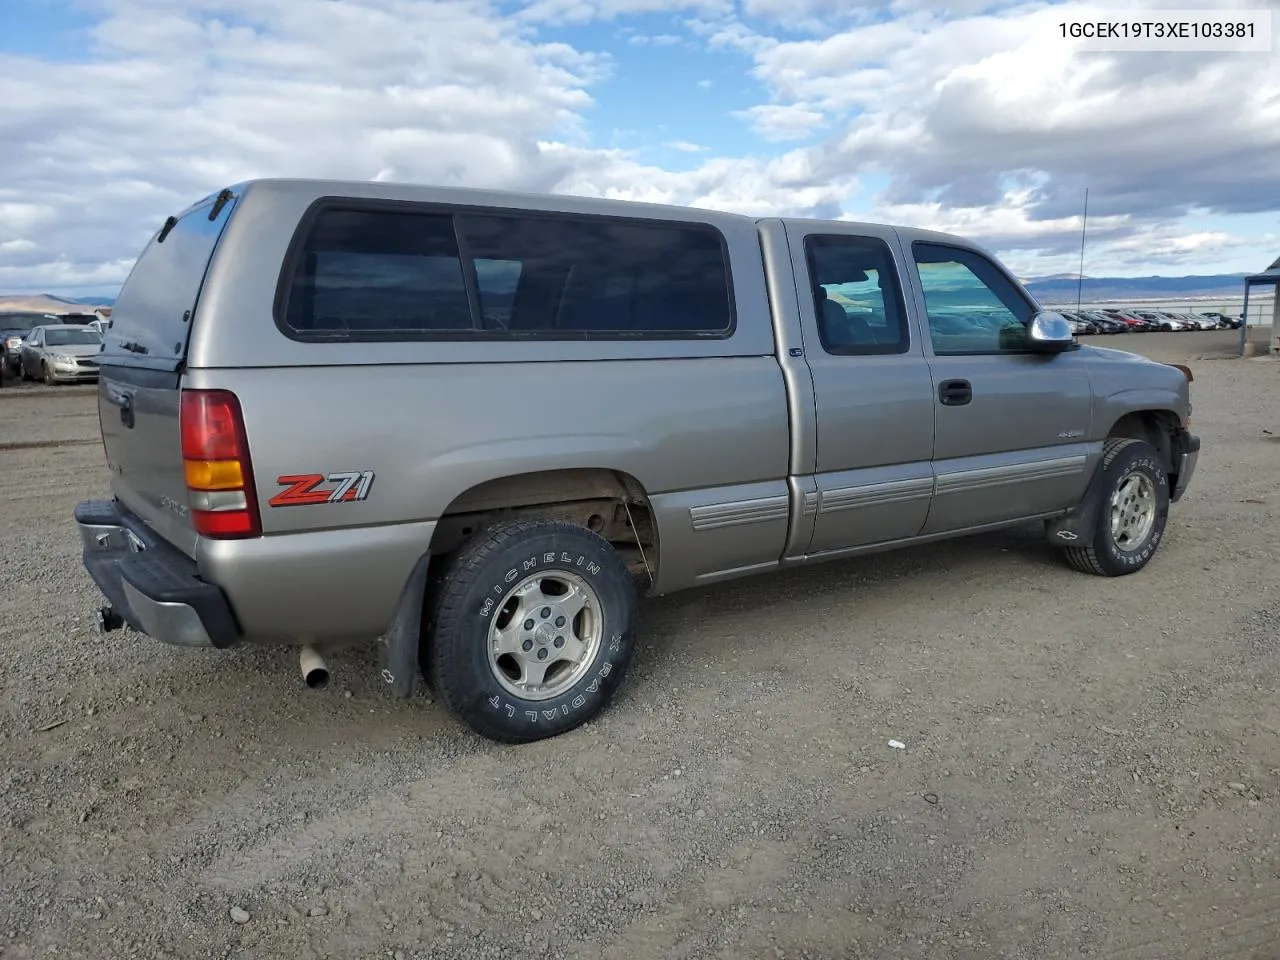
(17, 323)
(71, 338)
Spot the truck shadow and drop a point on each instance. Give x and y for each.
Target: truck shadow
(667, 625)
(1015, 551)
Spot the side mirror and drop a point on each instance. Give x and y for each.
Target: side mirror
(1050, 332)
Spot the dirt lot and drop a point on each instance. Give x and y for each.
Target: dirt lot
(1092, 766)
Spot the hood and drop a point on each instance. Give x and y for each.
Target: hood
(1111, 354)
(77, 350)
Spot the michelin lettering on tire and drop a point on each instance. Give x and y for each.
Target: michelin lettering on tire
(482, 578)
(528, 566)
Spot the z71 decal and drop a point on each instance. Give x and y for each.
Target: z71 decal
(304, 489)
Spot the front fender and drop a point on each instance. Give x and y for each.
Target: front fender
(1111, 407)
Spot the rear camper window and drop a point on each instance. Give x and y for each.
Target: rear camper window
(407, 274)
(151, 318)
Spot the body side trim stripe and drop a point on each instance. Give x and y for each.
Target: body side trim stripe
(716, 516)
(875, 494)
(964, 480)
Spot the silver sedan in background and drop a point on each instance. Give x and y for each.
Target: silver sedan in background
(60, 353)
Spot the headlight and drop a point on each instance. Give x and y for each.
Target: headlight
(62, 358)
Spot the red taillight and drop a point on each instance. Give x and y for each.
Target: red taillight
(215, 455)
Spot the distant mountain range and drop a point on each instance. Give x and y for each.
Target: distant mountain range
(49, 303)
(1062, 287)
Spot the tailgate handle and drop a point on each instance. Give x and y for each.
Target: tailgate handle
(125, 402)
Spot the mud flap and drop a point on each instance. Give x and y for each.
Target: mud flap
(1079, 524)
(1186, 451)
(398, 647)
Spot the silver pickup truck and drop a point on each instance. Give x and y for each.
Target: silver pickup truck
(473, 427)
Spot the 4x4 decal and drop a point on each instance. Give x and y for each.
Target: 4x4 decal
(304, 489)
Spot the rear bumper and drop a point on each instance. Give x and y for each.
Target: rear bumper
(154, 587)
(1186, 452)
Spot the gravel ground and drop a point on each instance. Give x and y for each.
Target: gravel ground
(1091, 766)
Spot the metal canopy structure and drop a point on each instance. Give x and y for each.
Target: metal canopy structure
(1268, 278)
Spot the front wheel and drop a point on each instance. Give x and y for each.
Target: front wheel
(1131, 518)
(48, 375)
(532, 630)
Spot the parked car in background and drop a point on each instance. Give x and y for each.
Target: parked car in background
(60, 353)
(1188, 321)
(13, 328)
(1197, 323)
(1080, 325)
(1105, 323)
(1224, 322)
(1135, 323)
(79, 319)
(1164, 322)
(1149, 324)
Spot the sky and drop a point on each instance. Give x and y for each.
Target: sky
(972, 116)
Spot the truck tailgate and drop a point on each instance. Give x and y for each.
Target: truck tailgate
(141, 369)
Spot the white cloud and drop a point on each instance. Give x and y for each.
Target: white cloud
(586, 11)
(17, 216)
(730, 33)
(982, 122)
(793, 121)
(657, 40)
(785, 186)
(18, 247)
(951, 111)
(1167, 245)
(183, 97)
(684, 146)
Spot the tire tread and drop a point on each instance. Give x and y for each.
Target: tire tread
(451, 592)
(1085, 559)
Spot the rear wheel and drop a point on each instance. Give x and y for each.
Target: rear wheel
(1131, 518)
(531, 631)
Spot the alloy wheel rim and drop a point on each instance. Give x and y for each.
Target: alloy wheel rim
(1133, 511)
(545, 635)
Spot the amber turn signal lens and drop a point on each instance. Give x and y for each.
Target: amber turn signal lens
(214, 474)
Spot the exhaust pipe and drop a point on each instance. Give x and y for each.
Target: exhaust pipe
(315, 672)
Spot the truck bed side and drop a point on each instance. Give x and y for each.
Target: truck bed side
(699, 427)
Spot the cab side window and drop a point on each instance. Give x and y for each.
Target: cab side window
(972, 307)
(856, 296)
(417, 272)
